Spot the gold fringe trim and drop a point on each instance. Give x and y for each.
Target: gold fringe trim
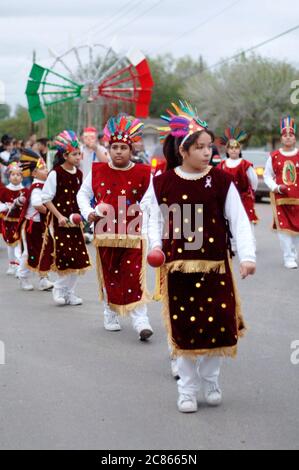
(66, 272)
(287, 201)
(275, 216)
(195, 266)
(10, 219)
(125, 310)
(100, 275)
(229, 351)
(117, 241)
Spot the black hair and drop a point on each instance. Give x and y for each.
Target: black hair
(58, 158)
(240, 156)
(6, 139)
(43, 140)
(172, 144)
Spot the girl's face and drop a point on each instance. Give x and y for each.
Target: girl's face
(15, 177)
(288, 140)
(234, 152)
(73, 158)
(120, 154)
(40, 173)
(198, 157)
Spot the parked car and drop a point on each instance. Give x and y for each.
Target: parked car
(259, 159)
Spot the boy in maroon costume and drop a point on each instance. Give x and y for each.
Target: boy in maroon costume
(119, 187)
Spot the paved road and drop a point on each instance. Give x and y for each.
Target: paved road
(69, 384)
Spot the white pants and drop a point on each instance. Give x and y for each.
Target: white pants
(138, 316)
(14, 254)
(190, 372)
(67, 282)
(289, 245)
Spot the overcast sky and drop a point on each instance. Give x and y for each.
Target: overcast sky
(215, 29)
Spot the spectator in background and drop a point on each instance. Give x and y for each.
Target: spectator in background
(216, 157)
(139, 154)
(6, 149)
(42, 147)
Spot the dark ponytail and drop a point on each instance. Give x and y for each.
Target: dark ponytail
(172, 144)
(58, 159)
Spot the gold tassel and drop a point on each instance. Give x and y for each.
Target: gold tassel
(157, 294)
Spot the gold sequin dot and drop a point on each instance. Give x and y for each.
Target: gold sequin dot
(214, 221)
(72, 259)
(182, 309)
(70, 249)
(201, 331)
(210, 299)
(175, 317)
(190, 239)
(199, 210)
(66, 190)
(213, 341)
(83, 253)
(67, 203)
(58, 204)
(200, 229)
(222, 330)
(175, 298)
(176, 230)
(185, 197)
(192, 299)
(192, 319)
(180, 250)
(192, 341)
(198, 285)
(222, 283)
(68, 236)
(211, 240)
(56, 238)
(186, 221)
(61, 244)
(202, 250)
(223, 305)
(201, 309)
(164, 199)
(128, 262)
(211, 319)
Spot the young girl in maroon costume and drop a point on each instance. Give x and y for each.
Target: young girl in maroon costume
(62, 238)
(201, 306)
(33, 221)
(241, 170)
(12, 198)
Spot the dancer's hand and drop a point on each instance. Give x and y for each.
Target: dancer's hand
(247, 268)
(282, 189)
(92, 217)
(62, 221)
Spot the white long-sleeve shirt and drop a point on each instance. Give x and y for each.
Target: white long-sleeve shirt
(35, 201)
(234, 212)
(4, 206)
(269, 175)
(251, 174)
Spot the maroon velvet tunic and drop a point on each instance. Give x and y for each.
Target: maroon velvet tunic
(201, 307)
(10, 227)
(64, 249)
(286, 206)
(121, 248)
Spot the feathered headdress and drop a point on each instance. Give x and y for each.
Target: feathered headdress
(30, 161)
(67, 141)
(287, 124)
(233, 137)
(182, 124)
(123, 128)
(13, 166)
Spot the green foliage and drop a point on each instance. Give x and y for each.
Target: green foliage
(4, 111)
(18, 126)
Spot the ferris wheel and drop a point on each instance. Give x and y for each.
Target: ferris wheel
(85, 83)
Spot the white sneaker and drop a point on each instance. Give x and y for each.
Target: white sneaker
(45, 284)
(291, 265)
(59, 296)
(25, 284)
(111, 322)
(11, 270)
(174, 369)
(187, 403)
(212, 393)
(72, 299)
(88, 238)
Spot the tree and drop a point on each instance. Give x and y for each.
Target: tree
(18, 126)
(4, 111)
(252, 92)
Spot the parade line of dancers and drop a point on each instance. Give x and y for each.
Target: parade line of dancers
(187, 222)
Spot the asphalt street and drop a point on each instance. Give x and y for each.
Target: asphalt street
(69, 384)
